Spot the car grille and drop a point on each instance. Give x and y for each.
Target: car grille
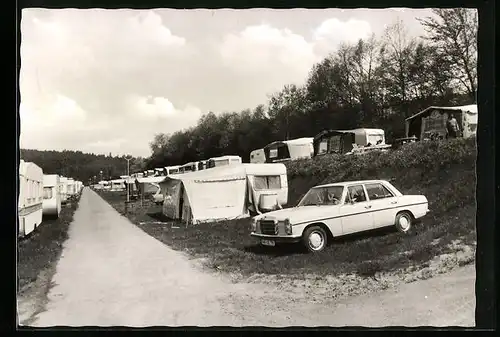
(268, 227)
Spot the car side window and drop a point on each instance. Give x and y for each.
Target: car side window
(377, 191)
(356, 194)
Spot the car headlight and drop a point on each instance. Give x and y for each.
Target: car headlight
(288, 227)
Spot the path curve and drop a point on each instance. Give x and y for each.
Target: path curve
(111, 273)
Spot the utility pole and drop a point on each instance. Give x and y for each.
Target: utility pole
(128, 177)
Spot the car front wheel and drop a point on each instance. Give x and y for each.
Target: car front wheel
(404, 222)
(314, 239)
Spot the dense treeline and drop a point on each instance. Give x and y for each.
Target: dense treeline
(81, 166)
(376, 82)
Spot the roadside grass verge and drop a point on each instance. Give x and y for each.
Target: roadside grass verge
(42, 248)
(443, 171)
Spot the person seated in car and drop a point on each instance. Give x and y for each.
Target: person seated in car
(331, 198)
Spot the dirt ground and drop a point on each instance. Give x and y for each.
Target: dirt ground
(112, 273)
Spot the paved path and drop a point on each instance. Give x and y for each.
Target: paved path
(111, 273)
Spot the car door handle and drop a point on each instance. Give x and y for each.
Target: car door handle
(394, 202)
(368, 206)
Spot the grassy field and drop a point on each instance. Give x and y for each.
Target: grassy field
(42, 248)
(443, 171)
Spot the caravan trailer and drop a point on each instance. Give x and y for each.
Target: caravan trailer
(349, 141)
(117, 185)
(202, 165)
(159, 172)
(51, 195)
(189, 167)
(223, 161)
(169, 170)
(30, 202)
(258, 156)
(63, 189)
(71, 187)
(289, 150)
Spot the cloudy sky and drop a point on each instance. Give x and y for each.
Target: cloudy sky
(107, 80)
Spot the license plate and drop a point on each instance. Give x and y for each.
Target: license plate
(270, 243)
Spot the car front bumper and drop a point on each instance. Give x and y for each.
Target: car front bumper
(277, 238)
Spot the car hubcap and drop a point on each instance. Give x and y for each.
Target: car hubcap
(316, 240)
(404, 223)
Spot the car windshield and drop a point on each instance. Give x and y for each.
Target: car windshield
(322, 196)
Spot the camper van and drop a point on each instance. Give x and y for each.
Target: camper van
(224, 160)
(349, 141)
(258, 156)
(51, 197)
(30, 202)
(225, 192)
(289, 150)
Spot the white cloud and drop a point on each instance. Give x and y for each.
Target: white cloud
(337, 31)
(266, 47)
(59, 111)
(148, 27)
(274, 57)
(332, 32)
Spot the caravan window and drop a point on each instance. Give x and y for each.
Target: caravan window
(221, 162)
(374, 139)
(47, 192)
(267, 182)
(323, 146)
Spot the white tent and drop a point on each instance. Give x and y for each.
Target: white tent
(219, 193)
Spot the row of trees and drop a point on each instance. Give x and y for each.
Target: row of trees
(376, 82)
(86, 167)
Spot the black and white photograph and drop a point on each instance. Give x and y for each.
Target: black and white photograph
(247, 167)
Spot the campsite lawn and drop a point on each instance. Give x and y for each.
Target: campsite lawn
(229, 247)
(41, 249)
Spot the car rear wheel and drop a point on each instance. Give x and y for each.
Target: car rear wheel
(404, 222)
(314, 239)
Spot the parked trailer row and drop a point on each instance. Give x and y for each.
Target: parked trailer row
(41, 195)
(428, 124)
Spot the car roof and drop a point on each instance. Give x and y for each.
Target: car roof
(354, 182)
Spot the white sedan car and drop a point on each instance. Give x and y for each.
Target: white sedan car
(333, 210)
